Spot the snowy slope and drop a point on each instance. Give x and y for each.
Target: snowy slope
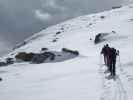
(83, 77)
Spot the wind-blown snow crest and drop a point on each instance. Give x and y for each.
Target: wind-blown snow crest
(80, 78)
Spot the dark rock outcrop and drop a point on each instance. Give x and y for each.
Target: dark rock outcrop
(98, 38)
(40, 58)
(25, 56)
(70, 51)
(3, 64)
(44, 49)
(58, 33)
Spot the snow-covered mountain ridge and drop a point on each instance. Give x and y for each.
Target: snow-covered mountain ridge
(80, 78)
(89, 25)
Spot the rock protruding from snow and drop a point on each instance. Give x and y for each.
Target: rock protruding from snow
(44, 56)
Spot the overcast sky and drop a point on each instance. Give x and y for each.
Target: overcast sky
(21, 18)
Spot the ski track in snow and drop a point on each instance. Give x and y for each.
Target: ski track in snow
(113, 89)
(77, 78)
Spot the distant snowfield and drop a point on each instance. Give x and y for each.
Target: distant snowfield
(80, 78)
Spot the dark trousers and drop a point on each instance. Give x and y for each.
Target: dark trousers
(112, 68)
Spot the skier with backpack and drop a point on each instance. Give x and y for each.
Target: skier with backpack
(113, 53)
(105, 52)
(110, 55)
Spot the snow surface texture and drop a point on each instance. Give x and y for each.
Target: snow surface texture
(80, 78)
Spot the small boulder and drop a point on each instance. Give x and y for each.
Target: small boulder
(38, 58)
(70, 51)
(58, 33)
(50, 55)
(54, 40)
(44, 49)
(9, 60)
(3, 63)
(102, 17)
(97, 38)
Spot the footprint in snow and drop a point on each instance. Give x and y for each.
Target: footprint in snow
(130, 79)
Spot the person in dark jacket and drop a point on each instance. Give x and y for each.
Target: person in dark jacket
(105, 51)
(113, 53)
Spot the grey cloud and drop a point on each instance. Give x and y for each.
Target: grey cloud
(65, 9)
(16, 18)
